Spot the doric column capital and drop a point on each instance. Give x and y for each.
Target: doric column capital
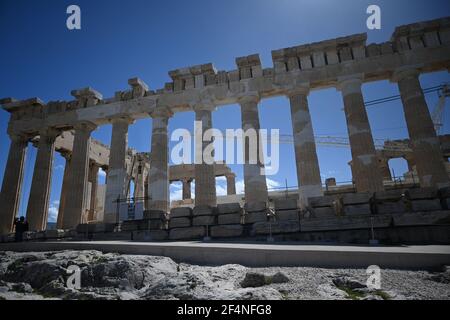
(349, 84)
(85, 126)
(299, 90)
(250, 98)
(48, 135)
(404, 73)
(203, 106)
(20, 137)
(161, 112)
(126, 120)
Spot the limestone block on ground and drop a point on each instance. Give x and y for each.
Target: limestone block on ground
(203, 211)
(285, 204)
(154, 214)
(131, 225)
(389, 207)
(8, 237)
(346, 223)
(40, 235)
(446, 203)
(150, 235)
(187, 233)
(95, 227)
(180, 212)
(426, 205)
(154, 225)
(30, 235)
(323, 213)
(390, 195)
(54, 234)
(225, 208)
(179, 222)
(357, 209)
(231, 218)
(422, 193)
(260, 228)
(356, 198)
(253, 217)
(284, 215)
(225, 231)
(422, 218)
(324, 201)
(255, 207)
(444, 192)
(204, 221)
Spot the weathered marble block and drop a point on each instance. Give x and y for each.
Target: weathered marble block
(225, 231)
(357, 209)
(391, 207)
(356, 198)
(150, 235)
(231, 218)
(285, 204)
(426, 205)
(260, 228)
(204, 221)
(180, 212)
(202, 211)
(187, 233)
(179, 222)
(285, 215)
(422, 193)
(225, 208)
(323, 213)
(253, 217)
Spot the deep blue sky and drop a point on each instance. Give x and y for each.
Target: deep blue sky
(124, 39)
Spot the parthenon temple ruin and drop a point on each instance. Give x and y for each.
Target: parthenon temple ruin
(344, 63)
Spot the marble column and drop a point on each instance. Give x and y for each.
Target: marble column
(38, 202)
(424, 141)
(116, 187)
(78, 176)
(366, 172)
(254, 176)
(231, 184)
(12, 182)
(186, 189)
(139, 191)
(93, 179)
(205, 178)
(158, 177)
(306, 160)
(384, 168)
(64, 189)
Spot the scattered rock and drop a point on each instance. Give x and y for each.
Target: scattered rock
(253, 280)
(279, 277)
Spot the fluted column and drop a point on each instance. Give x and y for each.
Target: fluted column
(64, 189)
(205, 178)
(37, 209)
(231, 184)
(139, 191)
(93, 179)
(307, 163)
(366, 172)
(158, 177)
(117, 173)
(254, 176)
(12, 182)
(424, 142)
(186, 189)
(75, 204)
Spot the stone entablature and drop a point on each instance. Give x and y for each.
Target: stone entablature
(424, 46)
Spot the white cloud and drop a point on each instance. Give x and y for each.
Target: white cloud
(53, 211)
(59, 167)
(101, 173)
